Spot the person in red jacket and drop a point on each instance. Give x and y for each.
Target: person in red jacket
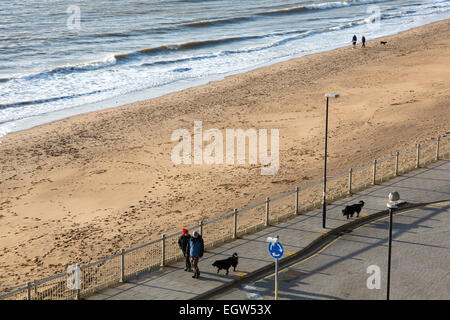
(183, 243)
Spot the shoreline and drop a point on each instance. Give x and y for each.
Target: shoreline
(81, 188)
(148, 94)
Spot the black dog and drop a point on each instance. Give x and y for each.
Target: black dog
(227, 263)
(383, 42)
(350, 210)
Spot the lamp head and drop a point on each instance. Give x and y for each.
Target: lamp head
(272, 239)
(332, 95)
(394, 200)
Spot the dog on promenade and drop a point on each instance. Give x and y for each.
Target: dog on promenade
(350, 210)
(226, 264)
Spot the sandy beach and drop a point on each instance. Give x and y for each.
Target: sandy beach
(79, 189)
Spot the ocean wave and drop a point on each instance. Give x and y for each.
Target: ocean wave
(195, 44)
(230, 52)
(128, 33)
(282, 11)
(208, 43)
(181, 60)
(214, 22)
(67, 69)
(167, 48)
(47, 100)
(118, 58)
(181, 69)
(318, 6)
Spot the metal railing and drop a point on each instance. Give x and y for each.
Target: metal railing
(151, 256)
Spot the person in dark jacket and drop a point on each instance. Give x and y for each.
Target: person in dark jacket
(183, 243)
(196, 249)
(363, 39)
(354, 40)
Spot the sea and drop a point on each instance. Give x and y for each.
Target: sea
(60, 58)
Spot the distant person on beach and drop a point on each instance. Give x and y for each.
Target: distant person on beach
(196, 249)
(363, 39)
(183, 243)
(354, 40)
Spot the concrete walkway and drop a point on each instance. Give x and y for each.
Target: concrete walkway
(420, 263)
(423, 185)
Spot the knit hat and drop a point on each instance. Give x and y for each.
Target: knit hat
(196, 234)
(185, 231)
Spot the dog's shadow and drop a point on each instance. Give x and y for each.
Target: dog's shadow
(231, 273)
(222, 277)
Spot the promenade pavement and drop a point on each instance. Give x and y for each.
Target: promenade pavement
(419, 270)
(172, 282)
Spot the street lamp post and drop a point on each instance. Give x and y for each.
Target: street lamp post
(324, 203)
(393, 203)
(388, 286)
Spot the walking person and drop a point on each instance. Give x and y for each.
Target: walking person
(363, 39)
(196, 249)
(183, 243)
(354, 40)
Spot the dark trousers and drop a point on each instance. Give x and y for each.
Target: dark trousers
(188, 261)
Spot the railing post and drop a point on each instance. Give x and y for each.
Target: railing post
(266, 223)
(297, 189)
(29, 290)
(350, 177)
(201, 227)
(418, 156)
(78, 281)
(396, 163)
(163, 250)
(374, 171)
(122, 265)
(35, 288)
(235, 223)
(437, 148)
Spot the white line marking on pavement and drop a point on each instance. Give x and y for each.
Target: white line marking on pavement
(251, 295)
